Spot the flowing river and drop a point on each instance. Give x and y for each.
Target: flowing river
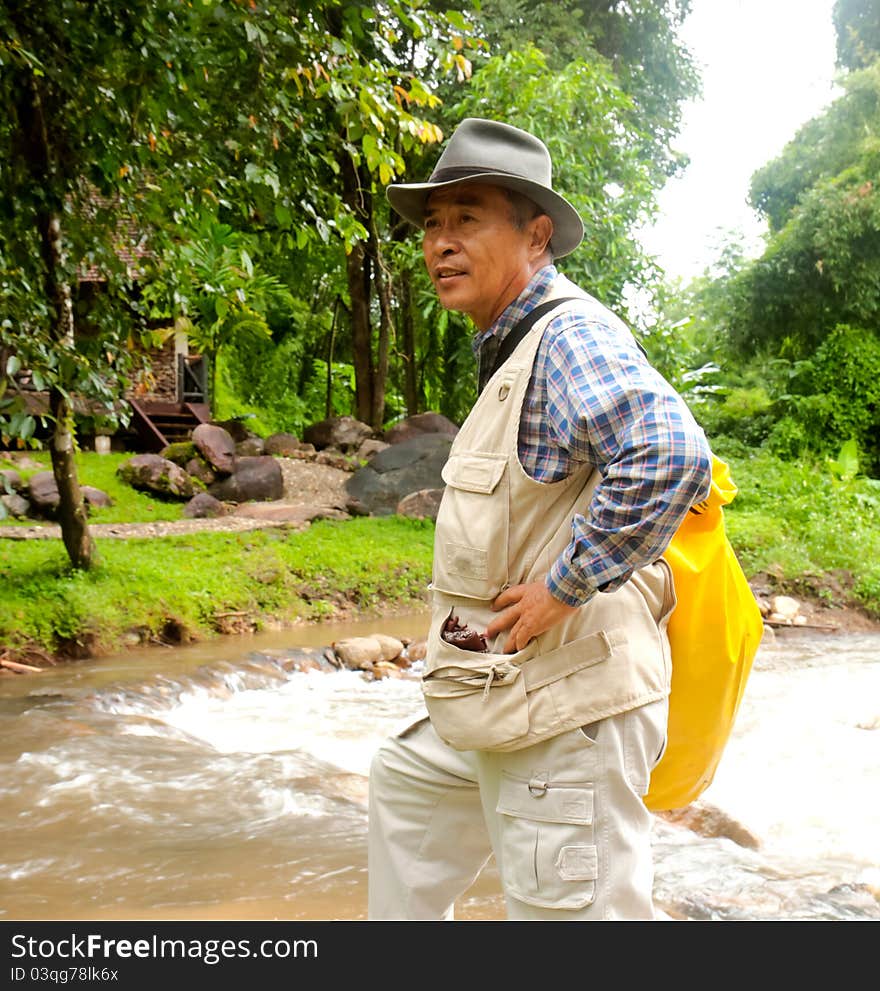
(210, 783)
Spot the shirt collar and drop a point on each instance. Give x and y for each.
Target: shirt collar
(533, 294)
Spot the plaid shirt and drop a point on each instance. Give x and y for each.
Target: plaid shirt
(594, 398)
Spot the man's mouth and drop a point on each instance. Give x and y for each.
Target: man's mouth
(444, 274)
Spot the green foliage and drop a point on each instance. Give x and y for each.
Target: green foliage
(838, 400)
(841, 136)
(593, 133)
(796, 521)
(857, 24)
(639, 40)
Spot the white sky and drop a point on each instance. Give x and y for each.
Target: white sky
(767, 67)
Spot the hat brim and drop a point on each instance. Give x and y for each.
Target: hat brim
(409, 200)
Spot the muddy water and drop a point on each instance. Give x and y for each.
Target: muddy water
(208, 782)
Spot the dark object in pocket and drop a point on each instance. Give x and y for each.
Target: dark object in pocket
(462, 636)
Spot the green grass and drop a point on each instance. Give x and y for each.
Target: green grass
(807, 529)
(144, 588)
(99, 471)
(798, 523)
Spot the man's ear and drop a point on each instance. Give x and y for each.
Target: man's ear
(540, 230)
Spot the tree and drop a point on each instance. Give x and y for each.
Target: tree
(822, 201)
(167, 111)
(857, 25)
(64, 75)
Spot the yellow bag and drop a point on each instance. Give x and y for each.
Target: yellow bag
(714, 633)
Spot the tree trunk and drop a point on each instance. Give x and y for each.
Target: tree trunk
(380, 375)
(357, 266)
(71, 509)
(361, 332)
(408, 346)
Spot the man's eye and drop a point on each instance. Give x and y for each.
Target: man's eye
(430, 224)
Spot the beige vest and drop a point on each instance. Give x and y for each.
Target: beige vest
(497, 527)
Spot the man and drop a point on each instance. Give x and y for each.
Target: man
(548, 671)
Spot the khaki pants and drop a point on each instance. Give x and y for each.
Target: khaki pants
(564, 819)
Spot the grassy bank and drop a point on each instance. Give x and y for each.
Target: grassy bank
(809, 531)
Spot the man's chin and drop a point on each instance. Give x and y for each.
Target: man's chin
(451, 293)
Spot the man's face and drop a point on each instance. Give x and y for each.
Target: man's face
(478, 260)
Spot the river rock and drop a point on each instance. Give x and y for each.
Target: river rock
(216, 446)
(254, 480)
(358, 653)
(391, 648)
(409, 466)
(784, 609)
(387, 669)
(153, 473)
(417, 651)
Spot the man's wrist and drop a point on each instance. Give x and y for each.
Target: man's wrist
(561, 587)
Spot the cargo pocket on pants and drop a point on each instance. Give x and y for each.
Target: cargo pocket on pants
(548, 853)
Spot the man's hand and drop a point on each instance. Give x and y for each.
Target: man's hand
(526, 611)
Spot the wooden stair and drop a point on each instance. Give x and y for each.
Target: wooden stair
(156, 424)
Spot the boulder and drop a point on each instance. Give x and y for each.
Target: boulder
(16, 505)
(369, 447)
(95, 497)
(342, 432)
(421, 505)
(204, 506)
(358, 653)
(420, 423)
(250, 447)
(409, 466)
(153, 473)
(256, 479)
(216, 446)
(199, 469)
(236, 429)
(10, 480)
(43, 493)
(284, 445)
(391, 647)
(180, 452)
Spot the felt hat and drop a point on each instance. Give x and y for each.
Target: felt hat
(488, 151)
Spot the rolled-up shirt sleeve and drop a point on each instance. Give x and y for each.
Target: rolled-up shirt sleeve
(607, 406)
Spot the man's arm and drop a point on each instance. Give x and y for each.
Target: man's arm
(607, 406)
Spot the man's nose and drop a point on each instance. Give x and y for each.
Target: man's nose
(442, 242)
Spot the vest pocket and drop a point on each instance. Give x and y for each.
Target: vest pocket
(470, 551)
(476, 701)
(548, 852)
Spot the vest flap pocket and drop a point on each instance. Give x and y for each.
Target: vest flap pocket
(446, 662)
(476, 700)
(474, 472)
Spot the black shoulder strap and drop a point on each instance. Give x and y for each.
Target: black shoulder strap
(519, 331)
